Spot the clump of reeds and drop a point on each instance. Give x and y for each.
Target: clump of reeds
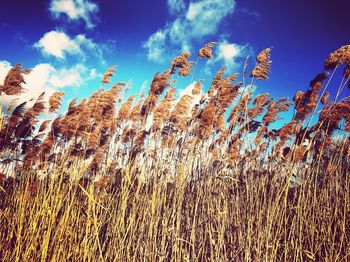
(203, 176)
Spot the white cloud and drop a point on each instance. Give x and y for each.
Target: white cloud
(229, 54)
(156, 47)
(46, 78)
(59, 44)
(200, 19)
(205, 16)
(93, 74)
(45, 75)
(4, 68)
(176, 6)
(75, 10)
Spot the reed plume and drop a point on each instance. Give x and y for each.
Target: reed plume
(171, 177)
(14, 80)
(325, 98)
(207, 50)
(280, 105)
(338, 57)
(125, 108)
(182, 64)
(55, 101)
(106, 79)
(158, 85)
(263, 65)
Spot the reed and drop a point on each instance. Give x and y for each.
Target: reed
(201, 177)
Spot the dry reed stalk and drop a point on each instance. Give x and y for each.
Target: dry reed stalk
(262, 68)
(214, 85)
(106, 79)
(261, 133)
(158, 85)
(182, 64)
(125, 109)
(207, 50)
(188, 174)
(135, 113)
(340, 56)
(234, 153)
(207, 119)
(237, 113)
(182, 108)
(162, 112)
(55, 101)
(14, 80)
(280, 105)
(325, 98)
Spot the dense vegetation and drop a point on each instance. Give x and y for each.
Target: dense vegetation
(204, 176)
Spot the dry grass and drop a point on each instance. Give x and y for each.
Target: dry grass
(202, 177)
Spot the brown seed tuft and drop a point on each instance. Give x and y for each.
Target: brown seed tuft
(340, 56)
(207, 50)
(106, 79)
(262, 68)
(55, 101)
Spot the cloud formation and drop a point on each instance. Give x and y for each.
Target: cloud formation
(229, 54)
(75, 10)
(47, 76)
(156, 47)
(59, 44)
(5, 66)
(198, 20)
(176, 6)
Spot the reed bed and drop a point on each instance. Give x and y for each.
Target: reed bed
(204, 176)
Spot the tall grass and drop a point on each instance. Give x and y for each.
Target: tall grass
(200, 177)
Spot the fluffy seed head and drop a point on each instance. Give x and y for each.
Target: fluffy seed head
(340, 56)
(206, 51)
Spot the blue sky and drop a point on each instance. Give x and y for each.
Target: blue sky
(70, 43)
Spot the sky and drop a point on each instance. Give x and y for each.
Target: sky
(70, 43)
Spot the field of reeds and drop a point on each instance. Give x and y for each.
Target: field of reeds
(201, 176)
